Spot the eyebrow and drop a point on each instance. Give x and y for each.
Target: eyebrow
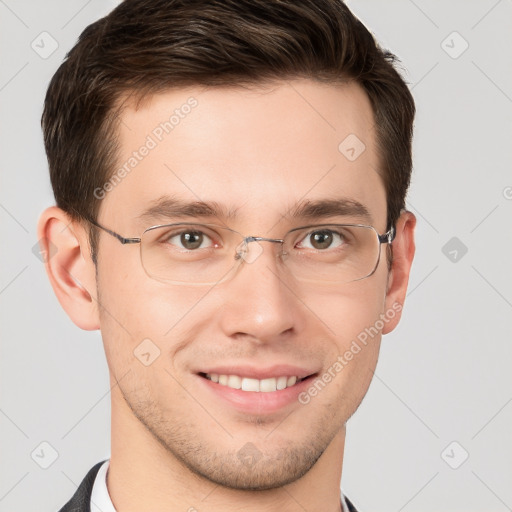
(171, 207)
(322, 208)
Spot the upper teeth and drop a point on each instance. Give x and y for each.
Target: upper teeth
(247, 384)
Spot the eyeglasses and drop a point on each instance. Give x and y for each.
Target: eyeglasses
(205, 254)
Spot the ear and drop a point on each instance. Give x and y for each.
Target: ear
(403, 254)
(66, 253)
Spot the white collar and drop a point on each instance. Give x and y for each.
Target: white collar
(100, 498)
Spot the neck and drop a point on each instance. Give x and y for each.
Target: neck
(143, 475)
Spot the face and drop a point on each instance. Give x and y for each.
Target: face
(257, 153)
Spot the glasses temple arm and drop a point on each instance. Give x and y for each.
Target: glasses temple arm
(388, 237)
(122, 239)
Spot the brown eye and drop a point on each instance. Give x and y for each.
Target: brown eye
(322, 239)
(191, 239)
(188, 240)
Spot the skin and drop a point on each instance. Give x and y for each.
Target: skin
(258, 151)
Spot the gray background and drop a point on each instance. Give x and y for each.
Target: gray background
(443, 375)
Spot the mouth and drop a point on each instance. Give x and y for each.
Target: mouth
(255, 396)
(254, 385)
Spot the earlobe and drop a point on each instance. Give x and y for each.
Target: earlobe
(72, 273)
(403, 255)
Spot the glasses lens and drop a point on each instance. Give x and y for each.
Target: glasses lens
(206, 253)
(332, 253)
(188, 253)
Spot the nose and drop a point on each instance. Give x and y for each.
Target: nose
(260, 300)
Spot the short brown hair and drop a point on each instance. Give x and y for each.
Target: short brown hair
(148, 46)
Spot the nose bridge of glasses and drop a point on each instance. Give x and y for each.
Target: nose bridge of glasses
(262, 238)
(244, 253)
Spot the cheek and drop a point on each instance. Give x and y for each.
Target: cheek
(354, 308)
(140, 315)
(355, 318)
(139, 304)
(143, 331)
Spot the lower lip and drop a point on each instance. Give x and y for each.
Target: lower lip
(257, 402)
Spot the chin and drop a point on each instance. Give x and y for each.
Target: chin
(259, 475)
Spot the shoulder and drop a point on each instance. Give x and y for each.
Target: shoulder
(350, 505)
(81, 500)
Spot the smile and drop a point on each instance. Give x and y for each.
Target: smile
(249, 384)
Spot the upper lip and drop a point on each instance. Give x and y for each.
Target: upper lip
(253, 372)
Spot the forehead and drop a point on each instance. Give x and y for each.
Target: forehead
(258, 150)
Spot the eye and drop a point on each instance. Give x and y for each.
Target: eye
(189, 239)
(322, 239)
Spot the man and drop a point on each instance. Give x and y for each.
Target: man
(230, 180)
